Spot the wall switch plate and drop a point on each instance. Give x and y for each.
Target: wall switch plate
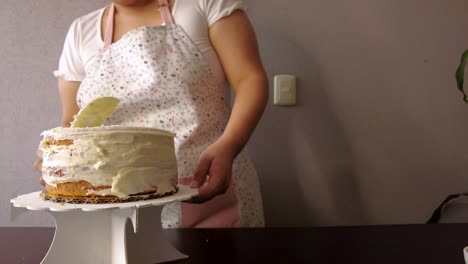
(284, 89)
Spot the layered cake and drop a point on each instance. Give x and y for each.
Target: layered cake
(108, 164)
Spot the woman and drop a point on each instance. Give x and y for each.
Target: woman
(171, 70)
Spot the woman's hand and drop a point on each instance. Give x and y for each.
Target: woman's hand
(213, 174)
(38, 165)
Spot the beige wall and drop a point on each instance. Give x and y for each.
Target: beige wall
(377, 137)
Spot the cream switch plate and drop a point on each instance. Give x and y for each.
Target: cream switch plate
(284, 89)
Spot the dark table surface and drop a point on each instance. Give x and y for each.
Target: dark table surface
(427, 244)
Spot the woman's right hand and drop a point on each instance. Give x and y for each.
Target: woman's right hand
(38, 165)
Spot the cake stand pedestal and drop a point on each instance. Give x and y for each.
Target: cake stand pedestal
(96, 233)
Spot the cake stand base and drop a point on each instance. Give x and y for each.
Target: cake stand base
(96, 233)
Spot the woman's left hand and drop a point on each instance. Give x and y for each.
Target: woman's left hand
(213, 174)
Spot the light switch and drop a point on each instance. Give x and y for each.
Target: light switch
(284, 89)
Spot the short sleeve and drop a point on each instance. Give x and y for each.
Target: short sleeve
(71, 67)
(217, 9)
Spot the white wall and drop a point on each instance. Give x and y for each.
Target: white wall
(377, 136)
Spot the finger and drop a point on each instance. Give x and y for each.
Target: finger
(42, 182)
(217, 184)
(201, 172)
(38, 165)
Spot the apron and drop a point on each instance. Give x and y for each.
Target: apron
(164, 82)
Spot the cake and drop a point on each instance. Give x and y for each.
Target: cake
(108, 164)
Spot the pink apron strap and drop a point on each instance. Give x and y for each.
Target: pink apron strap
(165, 12)
(109, 33)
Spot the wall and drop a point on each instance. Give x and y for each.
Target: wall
(377, 136)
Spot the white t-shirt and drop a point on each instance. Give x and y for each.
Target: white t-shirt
(84, 40)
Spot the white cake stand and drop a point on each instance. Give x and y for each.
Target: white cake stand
(95, 233)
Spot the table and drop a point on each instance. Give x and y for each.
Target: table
(436, 243)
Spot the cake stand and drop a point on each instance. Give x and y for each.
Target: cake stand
(96, 233)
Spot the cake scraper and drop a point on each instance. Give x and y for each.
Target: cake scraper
(95, 113)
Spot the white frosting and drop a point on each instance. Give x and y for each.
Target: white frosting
(130, 160)
(123, 183)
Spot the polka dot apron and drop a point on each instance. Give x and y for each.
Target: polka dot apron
(164, 82)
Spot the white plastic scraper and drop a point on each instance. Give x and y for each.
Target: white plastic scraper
(95, 113)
